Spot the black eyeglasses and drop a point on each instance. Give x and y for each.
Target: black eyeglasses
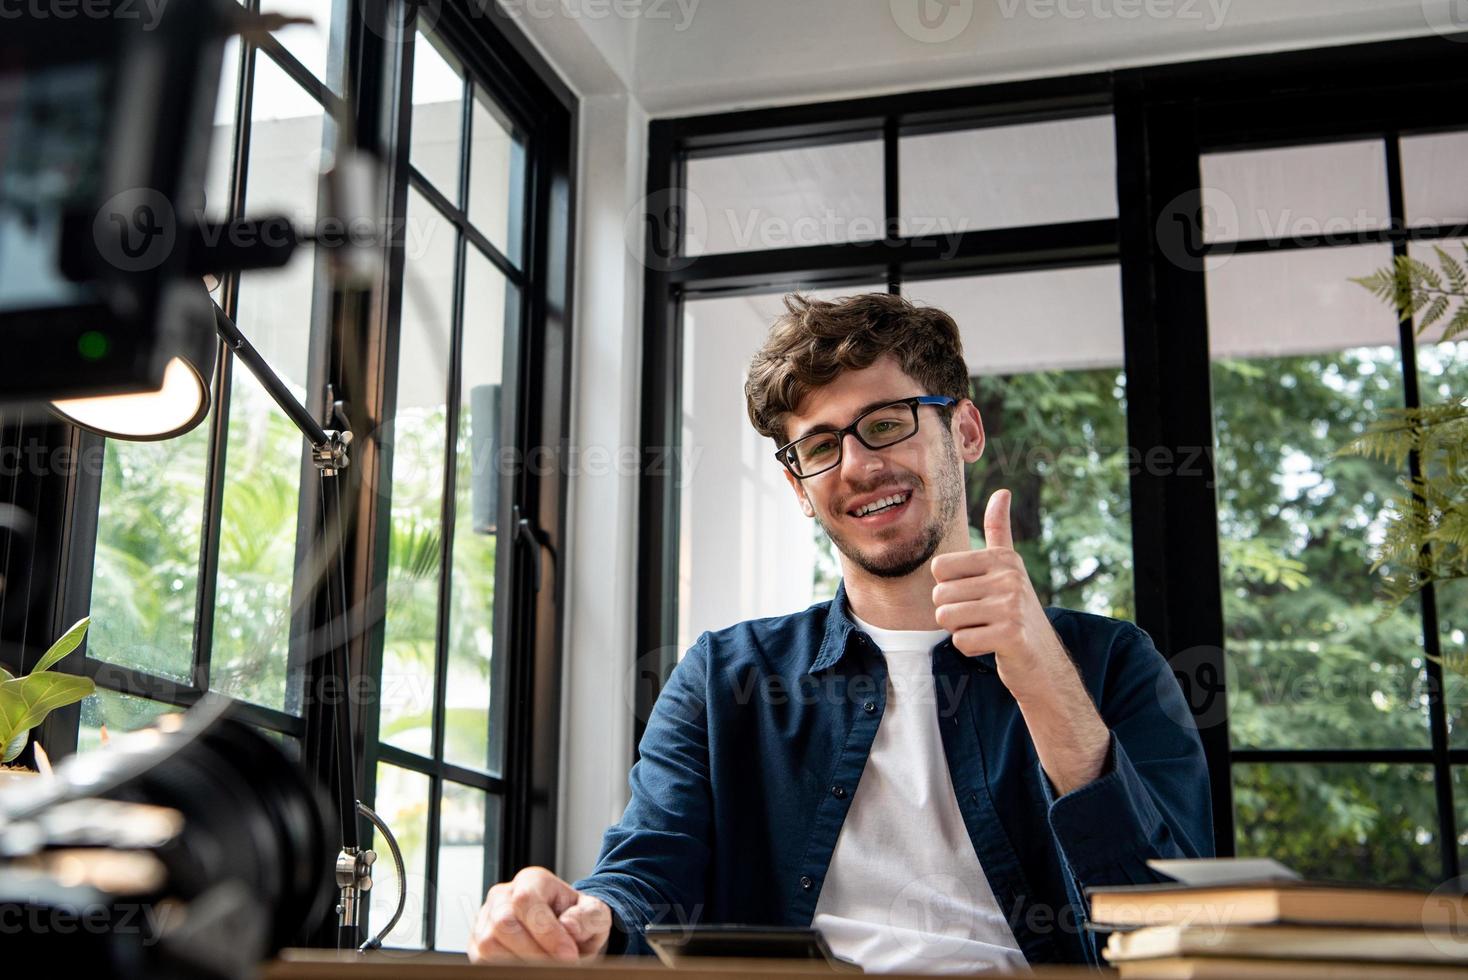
(876, 428)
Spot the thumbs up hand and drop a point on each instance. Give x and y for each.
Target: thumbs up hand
(986, 600)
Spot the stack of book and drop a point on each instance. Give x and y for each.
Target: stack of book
(1257, 920)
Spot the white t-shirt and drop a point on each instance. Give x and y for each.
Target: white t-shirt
(905, 891)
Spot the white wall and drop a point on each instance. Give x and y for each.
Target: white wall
(594, 56)
(600, 600)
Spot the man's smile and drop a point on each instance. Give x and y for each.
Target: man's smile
(881, 508)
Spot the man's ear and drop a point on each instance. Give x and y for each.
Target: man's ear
(799, 489)
(968, 431)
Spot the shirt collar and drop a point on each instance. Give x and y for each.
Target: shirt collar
(840, 626)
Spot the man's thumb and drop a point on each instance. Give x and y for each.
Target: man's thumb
(996, 521)
(588, 922)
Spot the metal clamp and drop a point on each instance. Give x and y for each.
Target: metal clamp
(354, 879)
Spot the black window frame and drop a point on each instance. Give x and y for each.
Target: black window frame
(355, 352)
(529, 576)
(1165, 118)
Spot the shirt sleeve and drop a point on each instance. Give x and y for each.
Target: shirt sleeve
(1152, 799)
(653, 862)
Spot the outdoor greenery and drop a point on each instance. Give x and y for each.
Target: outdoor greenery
(1427, 534)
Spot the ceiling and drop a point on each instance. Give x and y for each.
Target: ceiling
(685, 56)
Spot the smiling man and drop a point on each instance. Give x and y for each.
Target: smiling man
(931, 767)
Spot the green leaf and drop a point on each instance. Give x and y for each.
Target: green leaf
(69, 641)
(26, 701)
(5, 675)
(14, 747)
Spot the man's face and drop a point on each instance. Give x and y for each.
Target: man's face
(925, 472)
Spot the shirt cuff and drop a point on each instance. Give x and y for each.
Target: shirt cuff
(1109, 821)
(623, 938)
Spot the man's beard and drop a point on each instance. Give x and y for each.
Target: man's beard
(906, 558)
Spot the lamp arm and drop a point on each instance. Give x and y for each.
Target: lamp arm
(241, 347)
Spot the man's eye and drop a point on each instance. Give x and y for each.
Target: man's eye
(884, 425)
(818, 450)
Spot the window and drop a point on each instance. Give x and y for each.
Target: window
(203, 559)
(742, 547)
(1303, 361)
(192, 582)
(736, 507)
(1053, 400)
(440, 768)
(1161, 383)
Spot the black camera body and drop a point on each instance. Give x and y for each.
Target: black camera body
(194, 849)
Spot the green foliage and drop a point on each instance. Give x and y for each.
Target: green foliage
(26, 701)
(1057, 440)
(1426, 539)
(1311, 663)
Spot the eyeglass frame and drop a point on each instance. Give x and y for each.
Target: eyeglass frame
(914, 403)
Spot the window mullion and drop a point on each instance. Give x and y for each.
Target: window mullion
(1431, 633)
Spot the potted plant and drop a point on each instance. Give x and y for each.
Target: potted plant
(26, 701)
(1426, 536)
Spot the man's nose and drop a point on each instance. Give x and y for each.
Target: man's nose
(856, 459)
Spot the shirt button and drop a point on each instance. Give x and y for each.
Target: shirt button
(839, 792)
(870, 707)
(805, 883)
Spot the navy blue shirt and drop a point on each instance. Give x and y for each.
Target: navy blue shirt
(756, 747)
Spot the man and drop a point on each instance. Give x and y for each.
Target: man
(931, 767)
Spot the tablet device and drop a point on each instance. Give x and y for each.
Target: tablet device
(675, 943)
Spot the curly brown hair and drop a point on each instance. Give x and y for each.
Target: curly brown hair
(814, 341)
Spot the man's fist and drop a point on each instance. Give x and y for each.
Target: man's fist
(538, 916)
(986, 600)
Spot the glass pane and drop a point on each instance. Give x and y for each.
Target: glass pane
(116, 713)
(785, 198)
(1296, 192)
(145, 572)
(257, 536)
(287, 140)
(487, 307)
(402, 803)
(1341, 822)
(496, 178)
(1460, 796)
(310, 43)
(1008, 176)
(1432, 178)
(416, 439)
(1309, 664)
(438, 116)
(1442, 378)
(736, 510)
(221, 141)
(1053, 401)
(461, 849)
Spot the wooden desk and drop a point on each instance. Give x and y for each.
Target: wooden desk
(313, 964)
